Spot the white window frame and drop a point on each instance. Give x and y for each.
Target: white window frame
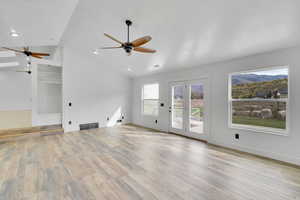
(275, 131)
(142, 100)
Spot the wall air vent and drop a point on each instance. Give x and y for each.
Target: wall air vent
(88, 126)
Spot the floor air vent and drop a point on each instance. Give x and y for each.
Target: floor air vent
(88, 126)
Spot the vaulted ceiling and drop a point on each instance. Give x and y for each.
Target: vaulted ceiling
(38, 22)
(185, 33)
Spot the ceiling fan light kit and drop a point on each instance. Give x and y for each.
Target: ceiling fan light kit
(134, 45)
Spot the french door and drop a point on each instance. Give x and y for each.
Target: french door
(189, 108)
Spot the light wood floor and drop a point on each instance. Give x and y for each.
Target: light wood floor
(133, 163)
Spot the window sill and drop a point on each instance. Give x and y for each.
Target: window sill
(257, 129)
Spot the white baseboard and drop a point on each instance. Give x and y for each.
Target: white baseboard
(275, 156)
(272, 155)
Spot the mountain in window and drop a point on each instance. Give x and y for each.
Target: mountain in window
(254, 78)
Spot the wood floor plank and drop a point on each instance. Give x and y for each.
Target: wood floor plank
(128, 162)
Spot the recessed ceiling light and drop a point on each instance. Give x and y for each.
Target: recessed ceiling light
(13, 33)
(129, 69)
(96, 52)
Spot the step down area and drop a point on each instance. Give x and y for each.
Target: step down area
(10, 134)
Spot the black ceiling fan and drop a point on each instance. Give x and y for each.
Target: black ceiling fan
(134, 45)
(28, 53)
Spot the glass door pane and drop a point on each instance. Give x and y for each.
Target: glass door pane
(177, 108)
(196, 108)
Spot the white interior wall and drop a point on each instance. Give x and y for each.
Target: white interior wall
(285, 148)
(15, 99)
(95, 91)
(15, 89)
(57, 54)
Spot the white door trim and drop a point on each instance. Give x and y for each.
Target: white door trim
(185, 131)
(170, 92)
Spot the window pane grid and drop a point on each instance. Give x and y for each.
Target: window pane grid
(150, 99)
(150, 107)
(259, 100)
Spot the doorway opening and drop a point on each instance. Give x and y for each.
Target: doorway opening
(189, 108)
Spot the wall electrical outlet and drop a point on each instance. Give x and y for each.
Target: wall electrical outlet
(237, 136)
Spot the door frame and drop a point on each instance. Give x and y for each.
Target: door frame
(185, 131)
(170, 97)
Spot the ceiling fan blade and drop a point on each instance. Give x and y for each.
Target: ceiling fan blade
(141, 41)
(144, 50)
(114, 39)
(110, 47)
(37, 56)
(15, 50)
(40, 54)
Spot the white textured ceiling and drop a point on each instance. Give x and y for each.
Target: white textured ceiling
(39, 22)
(185, 33)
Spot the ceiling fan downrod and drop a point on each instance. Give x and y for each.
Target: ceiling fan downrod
(128, 23)
(127, 46)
